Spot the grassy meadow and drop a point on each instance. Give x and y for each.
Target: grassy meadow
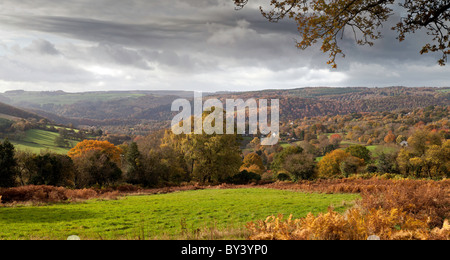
(168, 216)
(37, 140)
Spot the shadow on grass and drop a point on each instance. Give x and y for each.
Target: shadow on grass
(42, 215)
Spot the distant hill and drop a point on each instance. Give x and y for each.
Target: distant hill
(10, 112)
(98, 108)
(42, 99)
(312, 102)
(127, 111)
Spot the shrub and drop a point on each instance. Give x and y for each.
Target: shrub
(244, 177)
(51, 194)
(268, 176)
(283, 177)
(422, 199)
(371, 169)
(300, 166)
(34, 193)
(391, 209)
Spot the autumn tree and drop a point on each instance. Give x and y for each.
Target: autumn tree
(113, 152)
(387, 163)
(326, 22)
(421, 139)
(255, 144)
(280, 158)
(96, 163)
(338, 163)
(390, 138)
(336, 140)
(300, 166)
(324, 145)
(253, 163)
(425, 159)
(95, 168)
(208, 158)
(350, 166)
(214, 157)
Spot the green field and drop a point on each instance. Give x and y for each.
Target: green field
(382, 148)
(66, 128)
(444, 90)
(39, 140)
(161, 216)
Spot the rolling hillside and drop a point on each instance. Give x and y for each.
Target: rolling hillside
(33, 140)
(119, 112)
(37, 140)
(13, 113)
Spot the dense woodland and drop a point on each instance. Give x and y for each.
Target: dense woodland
(126, 113)
(403, 143)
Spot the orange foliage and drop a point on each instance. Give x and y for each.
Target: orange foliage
(390, 138)
(93, 145)
(51, 194)
(356, 224)
(389, 209)
(337, 137)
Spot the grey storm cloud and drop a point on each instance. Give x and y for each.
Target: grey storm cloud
(190, 44)
(41, 46)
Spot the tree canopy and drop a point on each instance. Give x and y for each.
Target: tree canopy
(100, 146)
(326, 21)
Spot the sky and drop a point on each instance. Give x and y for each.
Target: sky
(195, 45)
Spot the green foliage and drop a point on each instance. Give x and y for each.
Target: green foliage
(96, 168)
(148, 170)
(133, 160)
(215, 158)
(350, 166)
(8, 165)
(5, 124)
(280, 158)
(52, 169)
(360, 152)
(60, 141)
(387, 163)
(300, 166)
(205, 158)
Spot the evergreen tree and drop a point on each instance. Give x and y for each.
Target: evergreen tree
(8, 163)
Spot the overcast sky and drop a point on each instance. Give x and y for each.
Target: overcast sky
(203, 45)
